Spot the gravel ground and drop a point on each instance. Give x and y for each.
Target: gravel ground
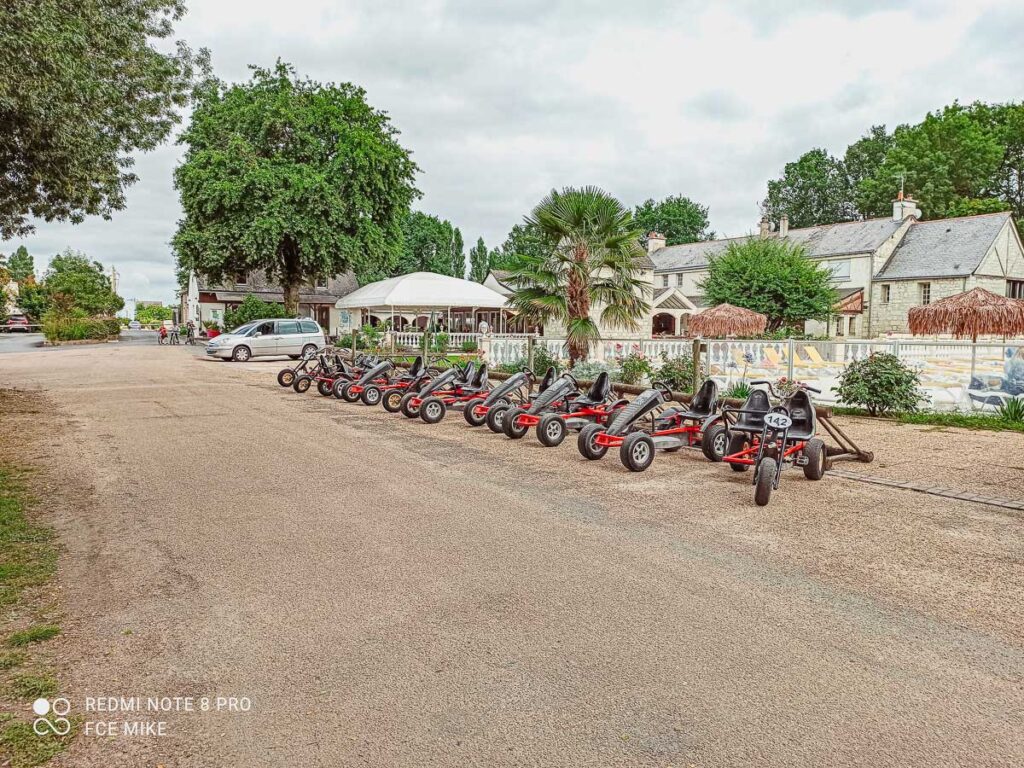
(394, 594)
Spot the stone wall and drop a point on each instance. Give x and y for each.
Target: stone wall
(904, 294)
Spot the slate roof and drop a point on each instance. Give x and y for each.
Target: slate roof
(841, 239)
(257, 284)
(944, 247)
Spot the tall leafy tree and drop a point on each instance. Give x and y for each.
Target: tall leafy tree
(678, 218)
(1007, 123)
(812, 190)
(773, 277)
(21, 265)
(458, 249)
(83, 282)
(865, 156)
(33, 299)
(429, 244)
(293, 177)
(83, 87)
(524, 239)
(479, 261)
(592, 263)
(949, 159)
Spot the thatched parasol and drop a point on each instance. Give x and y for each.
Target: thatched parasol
(727, 320)
(970, 314)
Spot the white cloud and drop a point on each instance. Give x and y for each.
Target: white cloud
(502, 101)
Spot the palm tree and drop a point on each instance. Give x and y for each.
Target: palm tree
(591, 247)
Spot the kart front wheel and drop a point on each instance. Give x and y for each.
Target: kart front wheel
(764, 481)
(714, 441)
(432, 410)
(586, 445)
(371, 395)
(814, 452)
(511, 426)
(302, 384)
(392, 401)
(348, 395)
(339, 387)
(496, 418)
(409, 410)
(473, 418)
(637, 451)
(551, 430)
(324, 387)
(286, 377)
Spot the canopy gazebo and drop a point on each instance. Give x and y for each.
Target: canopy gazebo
(420, 295)
(727, 320)
(968, 315)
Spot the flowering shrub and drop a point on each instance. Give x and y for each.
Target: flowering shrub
(634, 368)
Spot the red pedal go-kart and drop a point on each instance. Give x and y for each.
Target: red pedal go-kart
(352, 391)
(514, 392)
(412, 380)
(769, 438)
(638, 437)
(454, 388)
(327, 369)
(561, 407)
(286, 376)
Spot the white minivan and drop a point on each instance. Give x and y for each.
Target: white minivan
(268, 338)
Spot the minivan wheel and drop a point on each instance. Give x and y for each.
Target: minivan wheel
(241, 354)
(308, 350)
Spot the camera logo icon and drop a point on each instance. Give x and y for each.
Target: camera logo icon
(58, 724)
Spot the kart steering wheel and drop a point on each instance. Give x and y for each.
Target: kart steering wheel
(661, 386)
(528, 371)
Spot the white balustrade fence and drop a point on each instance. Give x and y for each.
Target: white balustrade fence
(955, 375)
(413, 339)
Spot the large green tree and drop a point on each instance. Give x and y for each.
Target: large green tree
(772, 277)
(21, 265)
(33, 299)
(864, 157)
(83, 282)
(429, 244)
(479, 261)
(83, 87)
(293, 177)
(591, 263)
(946, 161)
(524, 239)
(678, 218)
(813, 190)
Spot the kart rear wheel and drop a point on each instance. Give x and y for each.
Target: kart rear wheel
(286, 377)
(392, 401)
(585, 442)
(302, 384)
(814, 452)
(510, 425)
(432, 410)
(348, 395)
(496, 418)
(371, 395)
(637, 451)
(737, 442)
(713, 442)
(325, 387)
(409, 410)
(551, 430)
(339, 385)
(765, 480)
(473, 418)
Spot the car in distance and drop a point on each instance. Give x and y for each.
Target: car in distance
(17, 323)
(134, 325)
(268, 338)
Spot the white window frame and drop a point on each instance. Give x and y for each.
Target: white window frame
(924, 294)
(886, 293)
(840, 270)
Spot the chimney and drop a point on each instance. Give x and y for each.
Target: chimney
(765, 227)
(655, 241)
(902, 208)
(784, 225)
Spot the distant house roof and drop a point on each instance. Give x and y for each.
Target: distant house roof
(258, 285)
(845, 238)
(944, 247)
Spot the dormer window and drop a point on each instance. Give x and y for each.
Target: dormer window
(241, 280)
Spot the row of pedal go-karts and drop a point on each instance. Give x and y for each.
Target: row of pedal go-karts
(758, 434)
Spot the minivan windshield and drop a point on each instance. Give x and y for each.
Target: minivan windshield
(244, 330)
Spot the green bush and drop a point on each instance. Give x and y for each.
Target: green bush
(469, 346)
(439, 342)
(677, 372)
(542, 360)
(634, 367)
(1012, 411)
(880, 383)
(73, 325)
(738, 391)
(252, 308)
(588, 371)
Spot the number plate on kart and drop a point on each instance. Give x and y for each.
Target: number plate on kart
(778, 420)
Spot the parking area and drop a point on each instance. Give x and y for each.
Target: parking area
(390, 592)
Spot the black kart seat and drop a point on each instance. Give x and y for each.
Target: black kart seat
(477, 384)
(467, 374)
(757, 402)
(801, 411)
(416, 368)
(548, 380)
(703, 403)
(598, 392)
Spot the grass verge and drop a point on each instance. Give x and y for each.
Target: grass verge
(28, 561)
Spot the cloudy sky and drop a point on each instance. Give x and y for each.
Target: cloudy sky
(501, 101)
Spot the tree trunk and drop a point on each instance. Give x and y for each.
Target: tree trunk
(291, 276)
(578, 305)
